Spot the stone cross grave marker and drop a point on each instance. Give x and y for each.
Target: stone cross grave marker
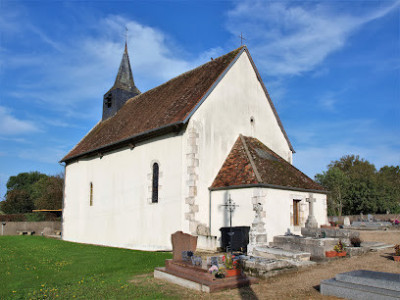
(311, 221)
(258, 234)
(182, 242)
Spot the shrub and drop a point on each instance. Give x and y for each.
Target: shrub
(355, 241)
(397, 250)
(13, 218)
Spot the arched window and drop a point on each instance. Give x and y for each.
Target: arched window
(154, 194)
(91, 194)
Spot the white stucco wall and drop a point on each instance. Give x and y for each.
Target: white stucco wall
(218, 122)
(277, 205)
(122, 214)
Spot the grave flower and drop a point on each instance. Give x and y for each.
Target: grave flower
(213, 269)
(397, 250)
(339, 247)
(228, 261)
(396, 255)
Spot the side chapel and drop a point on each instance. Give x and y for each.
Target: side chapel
(169, 159)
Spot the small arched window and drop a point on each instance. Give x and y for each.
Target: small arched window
(154, 194)
(91, 194)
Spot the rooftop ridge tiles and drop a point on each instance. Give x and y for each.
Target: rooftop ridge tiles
(253, 165)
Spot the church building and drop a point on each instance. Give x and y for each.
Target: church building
(169, 159)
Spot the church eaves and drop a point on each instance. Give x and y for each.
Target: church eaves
(161, 110)
(252, 164)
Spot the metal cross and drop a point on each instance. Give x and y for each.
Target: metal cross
(126, 35)
(230, 206)
(241, 39)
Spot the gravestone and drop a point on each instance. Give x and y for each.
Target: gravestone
(311, 221)
(258, 234)
(370, 218)
(182, 242)
(346, 221)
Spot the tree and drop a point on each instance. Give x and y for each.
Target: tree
(17, 201)
(357, 187)
(33, 190)
(24, 181)
(337, 182)
(388, 179)
(48, 192)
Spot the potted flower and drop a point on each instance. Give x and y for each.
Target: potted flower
(396, 255)
(339, 248)
(330, 253)
(231, 265)
(355, 241)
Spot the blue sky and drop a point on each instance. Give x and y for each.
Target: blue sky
(332, 69)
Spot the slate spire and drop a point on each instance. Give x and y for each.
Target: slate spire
(123, 89)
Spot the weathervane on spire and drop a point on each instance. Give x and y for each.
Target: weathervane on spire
(126, 35)
(241, 39)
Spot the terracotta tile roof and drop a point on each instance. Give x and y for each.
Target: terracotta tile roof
(167, 104)
(250, 162)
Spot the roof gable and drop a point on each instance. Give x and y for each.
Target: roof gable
(252, 163)
(162, 109)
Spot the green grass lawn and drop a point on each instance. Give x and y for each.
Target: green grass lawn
(33, 267)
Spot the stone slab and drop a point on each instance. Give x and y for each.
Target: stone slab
(383, 280)
(332, 287)
(316, 247)
(278, 253)
(359, 225)
(192, 280)
(356, 251)
(160, 273)
(264, 267)
(343, 234)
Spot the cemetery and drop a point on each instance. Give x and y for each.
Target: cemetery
(246, 260)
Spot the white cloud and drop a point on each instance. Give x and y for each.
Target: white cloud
(10, 125)
(289, 38)
(73, 79)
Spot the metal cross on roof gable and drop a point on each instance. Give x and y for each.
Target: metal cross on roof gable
(230, 206)
(241, 39)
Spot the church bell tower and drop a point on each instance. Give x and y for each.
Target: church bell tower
(123, 89)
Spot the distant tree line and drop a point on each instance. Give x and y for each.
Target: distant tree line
(33, 190)
(357, 187)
